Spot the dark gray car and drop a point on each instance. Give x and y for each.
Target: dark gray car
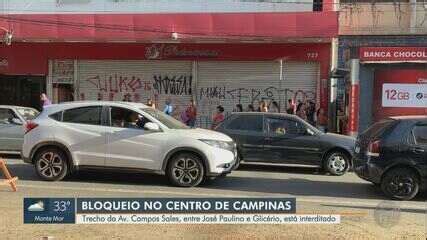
(12, 119)
(287, 139)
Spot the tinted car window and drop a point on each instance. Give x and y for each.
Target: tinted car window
(6, 116)
(84, 115)
(56, 116)
(125, 118)
(246, 123)
(283, 126)
(420, 134)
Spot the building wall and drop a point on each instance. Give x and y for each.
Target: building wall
(155, 6)
(33, 59)
(172, 21)
(383, 18)
(370, 93)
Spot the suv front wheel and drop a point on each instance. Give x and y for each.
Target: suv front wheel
(400, 184)
(185, 170)
(51, 164)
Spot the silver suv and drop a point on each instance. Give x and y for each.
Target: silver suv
(120, 135)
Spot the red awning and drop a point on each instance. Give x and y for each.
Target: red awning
(143, 27)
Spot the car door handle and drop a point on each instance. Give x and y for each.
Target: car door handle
(268, 138)
(418, 150)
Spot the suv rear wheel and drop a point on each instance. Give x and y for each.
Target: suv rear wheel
(185, 170)
(400, 184)
(51, 164)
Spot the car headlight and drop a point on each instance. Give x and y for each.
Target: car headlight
(220, 144)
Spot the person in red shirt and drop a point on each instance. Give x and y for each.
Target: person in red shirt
(191, 113)
(218, 117)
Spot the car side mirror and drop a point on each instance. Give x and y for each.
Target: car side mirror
(16, 121)
(152, 127)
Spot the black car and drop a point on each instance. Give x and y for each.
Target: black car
(392, 154)
(287, 139)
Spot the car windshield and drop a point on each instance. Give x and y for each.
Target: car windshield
(28, 113)
(165, 119)
(377, 129)
(312, 128)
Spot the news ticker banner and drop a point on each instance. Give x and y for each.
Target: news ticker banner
(169, 211)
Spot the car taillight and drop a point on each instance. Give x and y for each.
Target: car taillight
(30, 126)
(374, 148)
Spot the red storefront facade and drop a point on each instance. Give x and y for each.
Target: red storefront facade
(263, 57)
(400, 80)
(386, 81)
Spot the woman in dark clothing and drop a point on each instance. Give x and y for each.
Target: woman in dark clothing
(251, 108)
(301, 111)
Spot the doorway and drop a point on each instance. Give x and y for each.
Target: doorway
(22, 90)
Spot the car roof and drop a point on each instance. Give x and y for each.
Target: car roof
(266, 114)
(7, 106)
(76, 104)
(410, 117)
(133, 104)
(13, 106)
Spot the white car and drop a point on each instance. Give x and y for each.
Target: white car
(128, 136)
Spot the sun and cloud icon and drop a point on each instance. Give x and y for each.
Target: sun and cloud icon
(36, 207)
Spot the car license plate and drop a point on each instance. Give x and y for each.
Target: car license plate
(357, 149)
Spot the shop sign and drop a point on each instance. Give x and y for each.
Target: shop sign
(163, 51)
(63, 71)
(404, 95)
(393, 54)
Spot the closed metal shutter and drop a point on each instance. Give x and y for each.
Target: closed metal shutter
(233, 82)
(247, 82)
(225, 83)
(141, 80)
(300, 82)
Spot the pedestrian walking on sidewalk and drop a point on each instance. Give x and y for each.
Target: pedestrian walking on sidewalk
(251, 108)
(151, 103)
(45, 100)
(322, 120)
(218, 117)
(274, 107)
(168, 107)
(191, 113)
(262, 106)
(239, 108)
(291, 107)
(301, 111)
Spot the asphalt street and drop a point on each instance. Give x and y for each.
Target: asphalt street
(316, 192)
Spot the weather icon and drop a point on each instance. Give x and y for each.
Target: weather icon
(419, 95)
(36, 207)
